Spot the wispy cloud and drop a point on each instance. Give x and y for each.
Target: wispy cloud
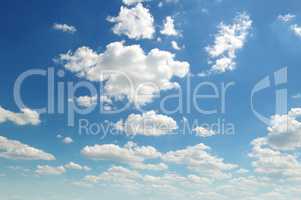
(229, 39)
(64, 28)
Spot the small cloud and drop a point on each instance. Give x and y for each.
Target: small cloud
(286, 18)
(175, 45)
(75, 166)
(147, 124)
(136, 22)
(169, 27)
(64, 28)
(67, 140)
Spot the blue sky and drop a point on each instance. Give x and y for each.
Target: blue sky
(183, 49)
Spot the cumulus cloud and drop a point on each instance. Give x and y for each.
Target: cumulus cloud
(169, 27)
(132, 180)
(272, 162)
(275, 154)
(64, 27)
(212, 184)
(15, 150)
(229, 39)
(115, 175)
(284, 133)
(136, 23)
(198, 159)
(170, 184)
(286, 18)
(147, 124)
(131, 152)
(127, 70)
(204, 132)
(48, 170)
(67, 140)
(58, 170)
(75, 166)
(26, 116)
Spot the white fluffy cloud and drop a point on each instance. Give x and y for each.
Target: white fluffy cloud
(131, 152)
(136, 23)
(127, 70)
(131, 179)
(48, 170)
(210, 180)
(67, 140)
(147, 124)
(296, 30)
(228, 40)
(274, 163)
(26, 116)
(284, 133)
(198, 159)
(204, 132)
(15, 150)
(169, 27)
(64, 27)
(274, 155)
